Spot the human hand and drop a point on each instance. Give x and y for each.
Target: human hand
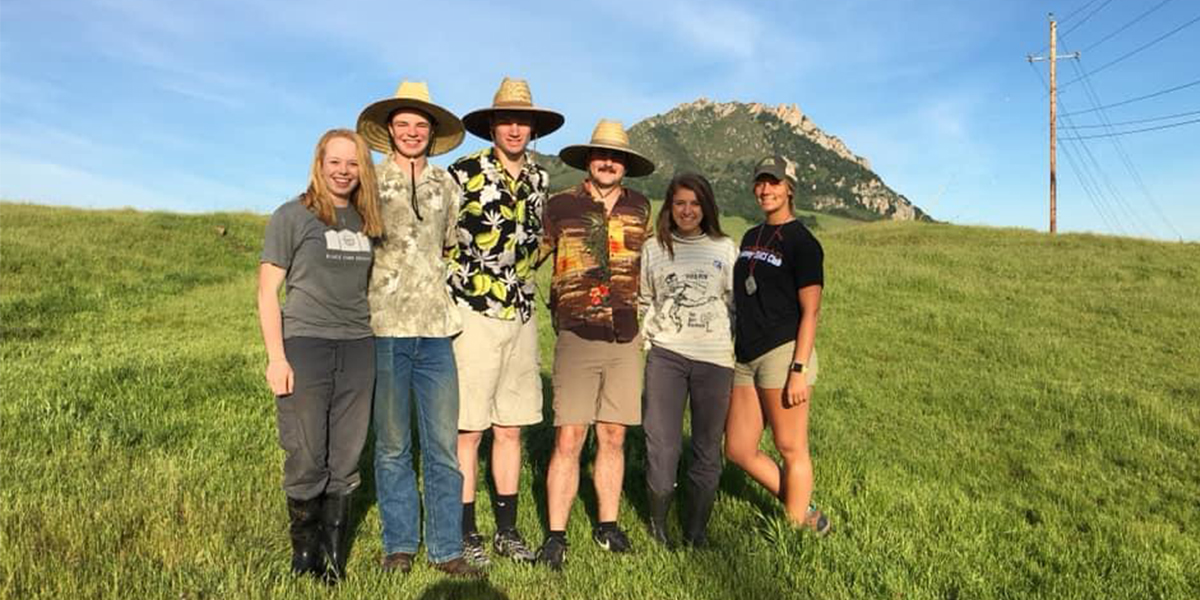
(280, 377)
(796, 390)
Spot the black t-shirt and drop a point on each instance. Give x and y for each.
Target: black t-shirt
(783, 259)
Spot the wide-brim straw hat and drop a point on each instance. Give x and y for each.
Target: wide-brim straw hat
(513, 96)
(373, 120)
(608, 135)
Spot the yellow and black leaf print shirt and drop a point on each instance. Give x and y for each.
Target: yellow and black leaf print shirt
(499, 230)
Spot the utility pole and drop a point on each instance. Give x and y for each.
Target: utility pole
(1053, 58)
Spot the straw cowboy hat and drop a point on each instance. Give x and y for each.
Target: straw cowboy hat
(513, 96)
(373, 121)
(608, 135)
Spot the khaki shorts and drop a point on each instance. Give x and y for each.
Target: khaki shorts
(770, 371)
(597, 381)
(499, 373)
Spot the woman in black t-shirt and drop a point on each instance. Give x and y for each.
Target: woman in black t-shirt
(778, 279)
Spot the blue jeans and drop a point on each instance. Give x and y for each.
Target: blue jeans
(422, 369)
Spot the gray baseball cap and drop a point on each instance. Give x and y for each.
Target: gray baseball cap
(778, 167)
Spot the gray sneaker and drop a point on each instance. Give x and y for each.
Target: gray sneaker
(474, 551)
(510, 544)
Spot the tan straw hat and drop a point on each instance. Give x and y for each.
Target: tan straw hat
(373, 120)
(608, 135)
(513, 96)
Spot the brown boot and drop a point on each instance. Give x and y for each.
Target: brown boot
(459, 567)
(397, 561)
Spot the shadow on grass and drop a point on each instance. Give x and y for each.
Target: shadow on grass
(464, 590)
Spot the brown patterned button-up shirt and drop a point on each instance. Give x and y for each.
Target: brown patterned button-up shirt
(597, 263)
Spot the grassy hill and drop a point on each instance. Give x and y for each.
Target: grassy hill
(1001, 414)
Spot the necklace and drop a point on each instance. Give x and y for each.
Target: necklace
(751, 283)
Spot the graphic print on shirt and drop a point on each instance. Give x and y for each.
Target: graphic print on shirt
(690, 291)
(767, 255)
(346, 245)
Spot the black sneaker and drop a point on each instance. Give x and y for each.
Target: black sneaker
(474, 551)
(553, 552)
(510, 544)
(611, 539)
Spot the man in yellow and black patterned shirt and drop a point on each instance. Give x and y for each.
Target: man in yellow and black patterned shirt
(492, 282)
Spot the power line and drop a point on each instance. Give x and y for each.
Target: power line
(1085, 19)
(1072, 14)
(1126, 26)
(1134, 51)
(1136, 121)
(1077, 10)
(1144, 129)
(1094, 98)
(1132, 100)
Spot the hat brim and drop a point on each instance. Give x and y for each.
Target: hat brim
(776, 175)
(636, 165)
(448, 130)
(545, 121)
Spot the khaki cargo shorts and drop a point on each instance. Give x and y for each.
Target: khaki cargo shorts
(597, 381)
(499, 372)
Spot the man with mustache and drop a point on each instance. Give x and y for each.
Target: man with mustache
(498, 233)
(595, 231)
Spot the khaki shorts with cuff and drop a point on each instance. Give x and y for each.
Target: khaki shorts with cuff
(770, 371)
(597, 381)
(499, 373)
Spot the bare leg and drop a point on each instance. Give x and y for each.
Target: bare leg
(743, 431)
(506, 459)
(789, 427)
(609, 472)
(562, 476)
(468, 461)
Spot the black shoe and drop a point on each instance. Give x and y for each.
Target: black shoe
(510, 544)
(696, 533)
(335, 521)
(459, 567)
(474, 551)
(553, 552)
(612, 539)
(660, 507)
(305, 531)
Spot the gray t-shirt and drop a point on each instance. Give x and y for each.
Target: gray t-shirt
(328, 269)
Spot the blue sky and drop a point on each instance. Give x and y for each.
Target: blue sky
(216, 105)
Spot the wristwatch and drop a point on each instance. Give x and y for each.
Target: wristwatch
(798, 367)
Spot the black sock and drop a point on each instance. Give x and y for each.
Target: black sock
(468, 519)
(506, 512)
(606, 525)
(560, 534)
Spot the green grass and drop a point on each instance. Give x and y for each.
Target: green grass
(1001, 414)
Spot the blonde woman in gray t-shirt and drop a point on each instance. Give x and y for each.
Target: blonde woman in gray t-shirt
(320, 353)
(685, 301)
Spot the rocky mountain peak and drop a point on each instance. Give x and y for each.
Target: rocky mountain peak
(788, 115)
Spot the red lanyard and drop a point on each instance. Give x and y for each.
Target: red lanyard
(774, 236)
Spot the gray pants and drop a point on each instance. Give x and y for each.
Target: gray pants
(671, 379)
(323, 423)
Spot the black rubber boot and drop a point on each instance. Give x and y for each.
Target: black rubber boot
(660, 506)
(335, 522)
(305, 531)
(696, 532)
